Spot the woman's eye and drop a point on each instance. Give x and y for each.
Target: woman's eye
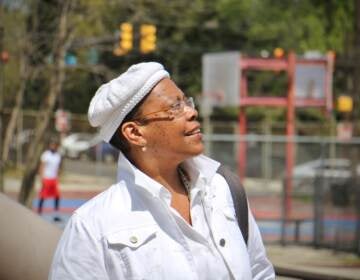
(176, 106)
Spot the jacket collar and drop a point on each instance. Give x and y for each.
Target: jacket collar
(128, 172)
(199, 167)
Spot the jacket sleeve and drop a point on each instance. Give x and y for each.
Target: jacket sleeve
(261, 268)
(79, 254)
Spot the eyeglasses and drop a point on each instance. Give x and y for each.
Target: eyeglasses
(175, 110)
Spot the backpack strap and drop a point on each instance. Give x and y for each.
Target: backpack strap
(239, 199)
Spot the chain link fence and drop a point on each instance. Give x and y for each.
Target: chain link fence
(325, 184)
(325, 188)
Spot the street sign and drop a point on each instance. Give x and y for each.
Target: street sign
(344, 131)
(62, 121)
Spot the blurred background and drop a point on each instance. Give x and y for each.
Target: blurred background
(277, 86)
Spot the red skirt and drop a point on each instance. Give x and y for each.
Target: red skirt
(49, 188)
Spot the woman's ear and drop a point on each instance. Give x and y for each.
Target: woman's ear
(132, 132)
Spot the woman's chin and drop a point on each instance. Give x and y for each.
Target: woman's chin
(198, 149)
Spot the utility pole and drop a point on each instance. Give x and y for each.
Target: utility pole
(356, 60)
(1, 107)
(356, 76)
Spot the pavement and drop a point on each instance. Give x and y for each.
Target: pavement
(322, 263)
(326, 264)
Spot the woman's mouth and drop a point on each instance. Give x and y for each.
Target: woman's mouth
(194, 131)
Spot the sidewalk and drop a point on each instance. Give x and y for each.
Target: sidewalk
(308, 259)
(68, 182)
(303, 258)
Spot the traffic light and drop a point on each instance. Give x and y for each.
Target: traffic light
(279, 52)
(345, 104)
(147, 38)
(126, 39)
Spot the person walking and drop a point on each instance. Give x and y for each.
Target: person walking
(170, 215)
(50, 165)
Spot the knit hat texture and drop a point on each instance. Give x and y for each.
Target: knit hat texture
(115, 99)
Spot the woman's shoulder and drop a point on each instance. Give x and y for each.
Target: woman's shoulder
(113, 198)
(103, 210)
(112, 211)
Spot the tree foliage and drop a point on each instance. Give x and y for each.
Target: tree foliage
(185, 30)
(37, 76)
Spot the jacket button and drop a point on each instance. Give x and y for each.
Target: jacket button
(133, 239)
(222, 242)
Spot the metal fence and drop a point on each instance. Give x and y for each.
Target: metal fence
(325, 187)
(325, 181)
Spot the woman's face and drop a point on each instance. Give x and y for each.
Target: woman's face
(173, 131)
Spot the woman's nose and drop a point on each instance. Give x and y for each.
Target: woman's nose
(191, 113)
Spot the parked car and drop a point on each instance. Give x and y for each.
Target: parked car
(327, 171)
(103, 151)
(77, 145)
(23, 137)
(88, 146)
(328, 167)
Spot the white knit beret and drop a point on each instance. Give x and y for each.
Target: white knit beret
(115, 99)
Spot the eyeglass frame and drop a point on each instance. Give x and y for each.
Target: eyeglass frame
(186, 102)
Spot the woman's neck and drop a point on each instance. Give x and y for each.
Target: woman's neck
(168, 175)
(163, 170)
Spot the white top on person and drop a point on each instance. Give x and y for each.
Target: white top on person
(51, 161)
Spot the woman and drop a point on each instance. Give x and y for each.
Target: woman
(170, 216)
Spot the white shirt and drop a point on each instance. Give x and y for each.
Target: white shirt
(130, 232)
(51, 164)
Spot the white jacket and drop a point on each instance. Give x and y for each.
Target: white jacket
(130, 231)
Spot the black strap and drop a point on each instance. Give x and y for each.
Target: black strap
(239, 198)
